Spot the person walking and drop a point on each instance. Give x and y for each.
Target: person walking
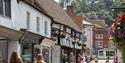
(14, 58)
(71, 58)
(83, 59)
(65, 58)
(78, 59)
(39, 59)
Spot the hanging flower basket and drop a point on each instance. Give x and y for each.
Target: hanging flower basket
(117, 31)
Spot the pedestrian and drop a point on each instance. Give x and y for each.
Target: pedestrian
(71, 58)
(65, 58)
(83, 59)
(39, 59)
(14, 58)
(78, 59)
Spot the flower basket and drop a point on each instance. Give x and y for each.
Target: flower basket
(117, 31)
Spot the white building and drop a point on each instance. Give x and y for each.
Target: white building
(23, 23)
(88, 30)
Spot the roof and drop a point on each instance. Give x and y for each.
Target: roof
(86, 23)
(58, 14)
(99, 24)
(78, 21)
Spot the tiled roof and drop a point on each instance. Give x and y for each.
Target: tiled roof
(58, 14)
(99, 24)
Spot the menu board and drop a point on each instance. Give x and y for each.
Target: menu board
(56, 54)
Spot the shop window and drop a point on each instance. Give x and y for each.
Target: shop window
(100, 53)
(110, 53)
(3, 51)
(27, 53)
(45, 53)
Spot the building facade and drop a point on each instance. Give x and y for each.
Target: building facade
(101, 42)
(23, 24)
(88, 31)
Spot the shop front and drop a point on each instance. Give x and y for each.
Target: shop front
(9, 42)
(3, 50)
(28, 50)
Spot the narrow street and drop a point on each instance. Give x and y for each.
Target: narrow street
(62, 31)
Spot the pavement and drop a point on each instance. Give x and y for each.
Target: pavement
(104, 61)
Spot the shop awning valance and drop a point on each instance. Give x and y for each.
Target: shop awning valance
(47, 42)
(10, 33)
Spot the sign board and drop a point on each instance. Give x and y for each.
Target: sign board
(56, 54)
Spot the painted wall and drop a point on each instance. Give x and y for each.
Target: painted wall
(18, 18)
(89, 35)
(18, 21)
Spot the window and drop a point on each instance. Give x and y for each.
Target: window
(3, 51)
(28, 21)
(27, 52)
(99, 36)
(100, 53)
(5, 8)
(99, 43)
(38, 24)
(45, 28)
(110, 53)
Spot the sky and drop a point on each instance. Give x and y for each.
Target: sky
(57, 0)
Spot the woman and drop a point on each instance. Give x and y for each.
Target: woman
(14, 58)
(39, 59)
(79, 58)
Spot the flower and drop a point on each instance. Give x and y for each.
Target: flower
(115, 21)
(123, 17)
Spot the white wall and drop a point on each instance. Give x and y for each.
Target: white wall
(13, 46)
(18, 18)
(89, 34)
(34, 13)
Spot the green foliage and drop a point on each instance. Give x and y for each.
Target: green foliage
(95, 9)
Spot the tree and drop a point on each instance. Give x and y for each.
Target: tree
(95, 9)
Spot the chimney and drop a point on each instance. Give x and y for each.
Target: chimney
(70, 10)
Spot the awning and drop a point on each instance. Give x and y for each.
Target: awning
(10, 33)
(30, 37)
(47, 42)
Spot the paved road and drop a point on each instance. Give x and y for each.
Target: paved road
(104, 61)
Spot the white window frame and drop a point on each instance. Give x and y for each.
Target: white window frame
(28, 18)
(46, 28)
(38, 24)
(4, 9)
(99, 36)
(99, 43)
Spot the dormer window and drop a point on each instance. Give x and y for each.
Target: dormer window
(5, 8)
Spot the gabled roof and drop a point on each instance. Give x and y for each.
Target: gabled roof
(58, 14)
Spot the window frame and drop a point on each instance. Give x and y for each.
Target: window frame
(38, 24)
(5, 8)
(46, 28)
(28, 18)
